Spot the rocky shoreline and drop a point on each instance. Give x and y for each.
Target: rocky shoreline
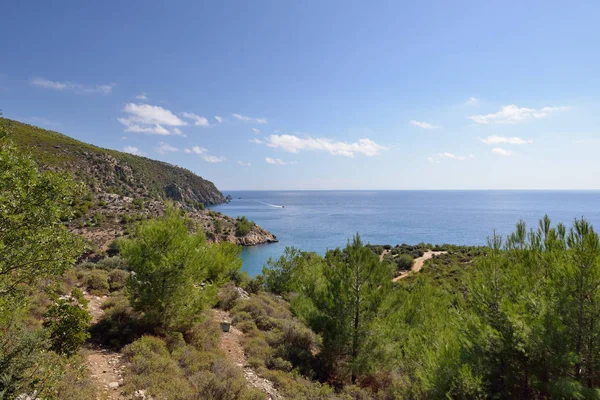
(111, 217)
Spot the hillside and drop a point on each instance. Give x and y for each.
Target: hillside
(111, 171)
(125, 188)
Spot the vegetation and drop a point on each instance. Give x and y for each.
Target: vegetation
(176, 273)
(243, 226)
(34, 245)
(110, 170)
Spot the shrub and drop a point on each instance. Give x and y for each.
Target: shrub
(67, 325)
(255, 284)
(404, 262)
(243, 226)
(151, 368)
(117, 278)
(96, 282)
(120, 324)
(110, 263)
(138, 203)
(227, 296)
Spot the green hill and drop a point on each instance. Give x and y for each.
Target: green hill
(111, 171)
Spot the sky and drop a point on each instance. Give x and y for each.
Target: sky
(319, 95)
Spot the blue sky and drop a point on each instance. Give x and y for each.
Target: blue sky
(319, 94)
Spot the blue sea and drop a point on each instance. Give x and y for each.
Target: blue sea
(321, 220)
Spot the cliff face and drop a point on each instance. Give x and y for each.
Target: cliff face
(111, 171)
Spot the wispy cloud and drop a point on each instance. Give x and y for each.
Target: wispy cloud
(249, 119)
(145, 118)
(502, 152)
(218, 119)
(278, 161)
(142, 96)
(245, 164)
(471, 101)
(198, 120)
(164, 148)
(196, 150)
(257, 131)
(295, 144)
(512, 114)
(256, 140)
(424, 125)
(505, 140)
(73, 86)
(203, 153)
(449, 156)
(132, 150)
(213, 159)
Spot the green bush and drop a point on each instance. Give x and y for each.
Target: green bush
(227, 296)
(404, 262)
(117, 278)
(243, 226)
(120, 325)
(96, 282)
(67, 324)
(110, 263)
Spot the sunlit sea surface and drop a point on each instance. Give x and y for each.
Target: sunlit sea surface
(321, 220)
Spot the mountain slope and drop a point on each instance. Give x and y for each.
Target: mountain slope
(111, 171)
(125, 188)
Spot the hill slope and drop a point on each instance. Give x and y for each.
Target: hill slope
(126, 188)
(111, 171)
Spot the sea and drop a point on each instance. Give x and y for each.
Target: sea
(322, 220)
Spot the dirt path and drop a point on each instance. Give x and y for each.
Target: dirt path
(418, 264)
(231, 344)
(383, 254)
(105, 366)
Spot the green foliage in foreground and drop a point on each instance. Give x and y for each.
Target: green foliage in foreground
(521, 323)
(34, 244)
(175, 273)
(67, 323)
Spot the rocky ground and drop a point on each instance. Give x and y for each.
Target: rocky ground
(111, 216)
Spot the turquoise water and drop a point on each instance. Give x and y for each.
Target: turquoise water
(321, 220)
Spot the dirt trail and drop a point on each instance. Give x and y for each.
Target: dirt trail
(418, 264)
(231, 344)
(105, 366)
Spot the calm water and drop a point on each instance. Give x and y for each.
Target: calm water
(321, 220)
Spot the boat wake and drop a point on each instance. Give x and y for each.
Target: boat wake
(270, 205)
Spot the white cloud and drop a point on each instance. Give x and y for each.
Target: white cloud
(512, 114)
(213, 159)
(73, 86)
(472, 101)
(196, 150)
(294, 144)
(245, 164)
(206, 157)
(132, 150)
(257, 141)
(198, 120)
(145, 118)
(502, 152)
(257, 131)
(505, 140)
(250, 119)
(142, 96)
(278, 161)
(423, 125)
(450, 156)
(164, 148)
(219, 119)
